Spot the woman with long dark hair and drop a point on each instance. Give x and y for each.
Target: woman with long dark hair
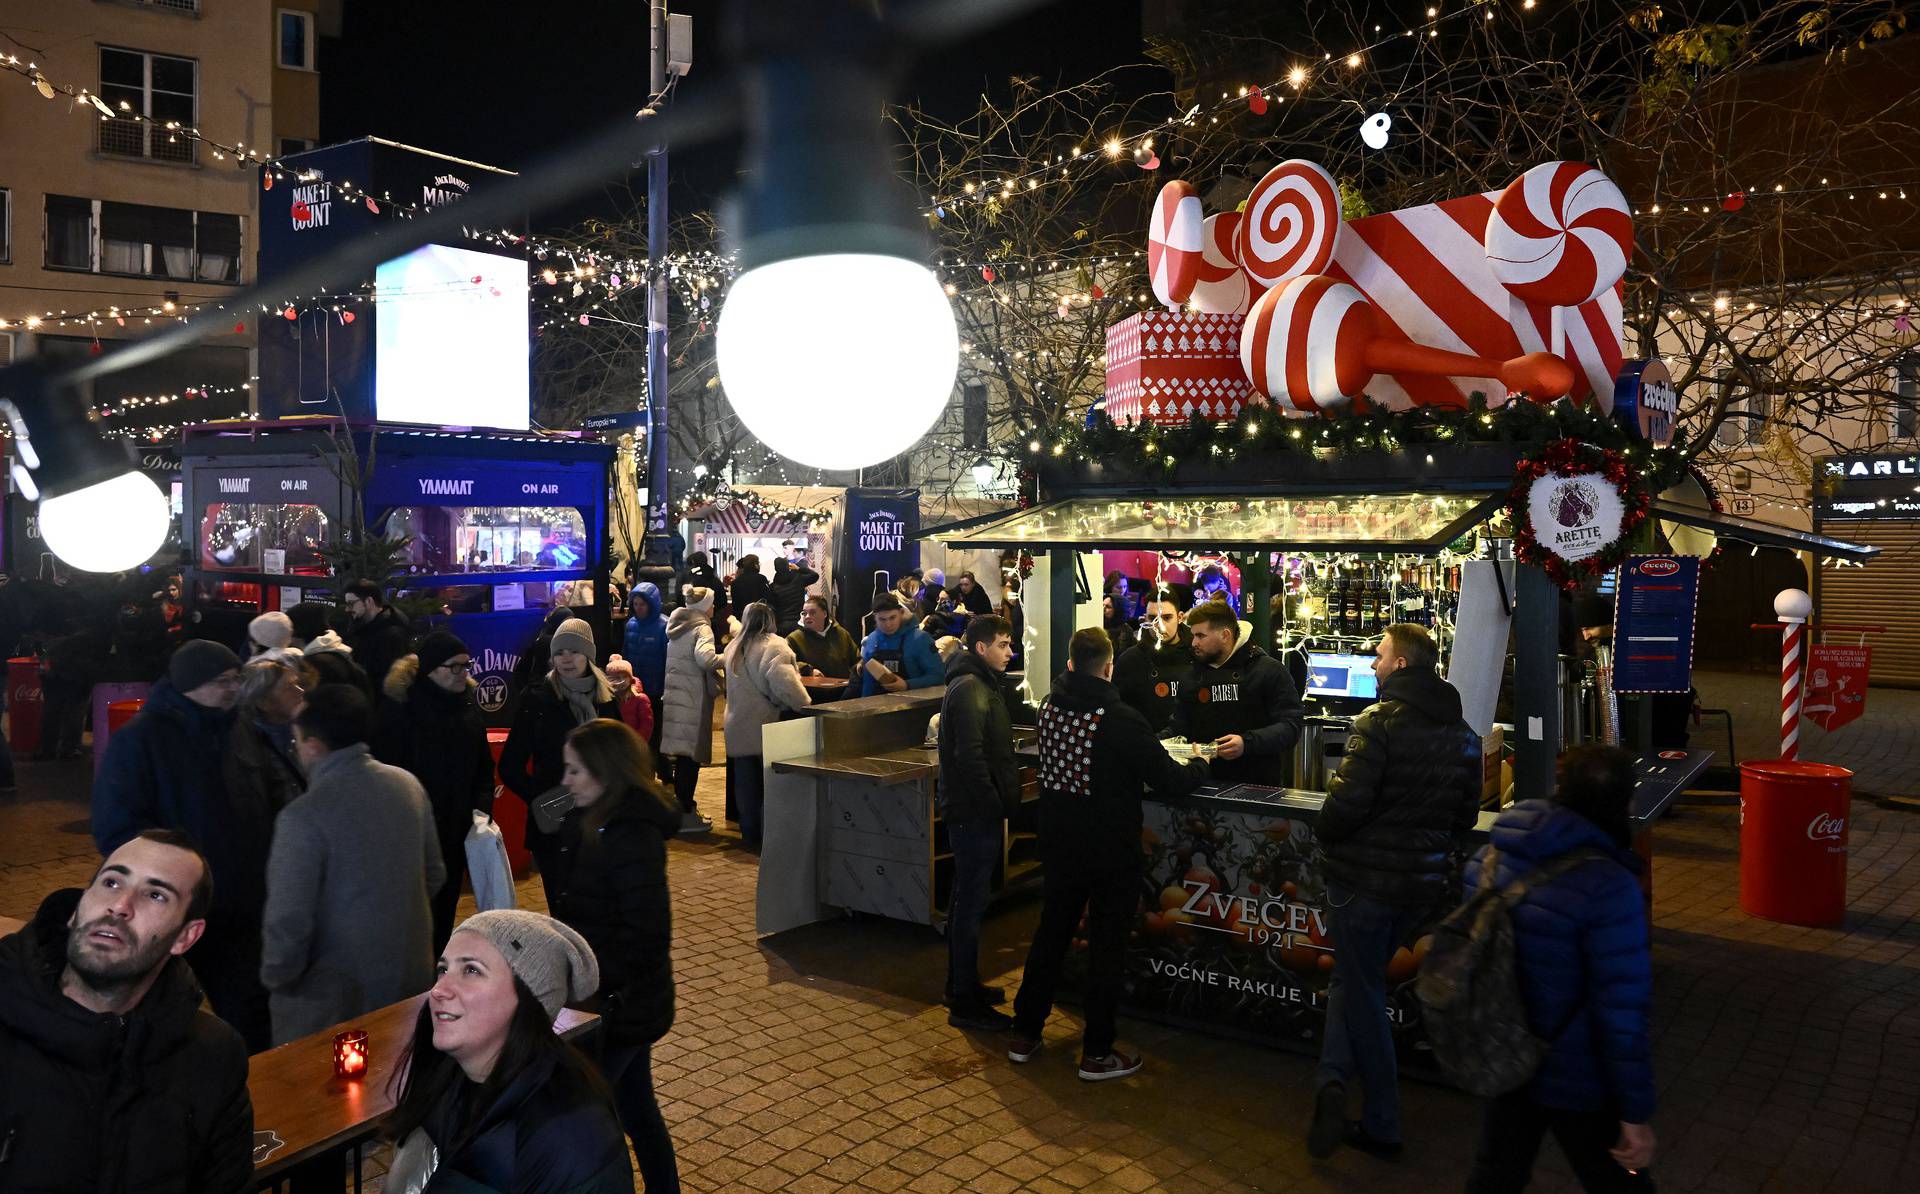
(573, 692)
(488, 1097)
(614, 893)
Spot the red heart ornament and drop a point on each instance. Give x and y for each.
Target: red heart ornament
(238, 328)
(290, 314)
(373, 207)
(266, 180)
(1257, 102)
(300, 211)
(347, 317)
(987, 274)
(1734, 201)
(1096, 293)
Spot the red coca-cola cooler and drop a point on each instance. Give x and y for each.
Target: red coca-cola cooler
(25, 705)
(1793, 840)
(509, 812)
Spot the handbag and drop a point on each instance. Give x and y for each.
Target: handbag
(414, 1161)
(551, 807)
(488, 866)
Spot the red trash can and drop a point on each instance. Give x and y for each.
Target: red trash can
(25, 705)
(1793, 841)
(509, 812)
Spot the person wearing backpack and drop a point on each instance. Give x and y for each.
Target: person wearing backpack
(1395, 820)
(1584, 974)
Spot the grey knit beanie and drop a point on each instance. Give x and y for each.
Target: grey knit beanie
(574, 635)
(555, 962)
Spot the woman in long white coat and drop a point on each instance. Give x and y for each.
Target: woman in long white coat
(763, 683)
(686, 708)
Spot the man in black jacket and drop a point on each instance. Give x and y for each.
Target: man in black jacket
(114, 1077)
(1397, 815)
(1097, 755)
(1240, 699)
(788, 593)
(979, 789)
(1151, 673)
(379, 635)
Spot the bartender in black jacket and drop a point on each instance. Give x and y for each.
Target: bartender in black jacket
(1151, 673)
(1239, 698)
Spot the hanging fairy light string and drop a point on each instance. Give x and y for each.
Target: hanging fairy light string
(1735, 200)
(122, 406)
(93, 104)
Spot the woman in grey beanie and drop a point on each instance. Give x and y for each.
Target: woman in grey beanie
(573, 692)
(488, 1096)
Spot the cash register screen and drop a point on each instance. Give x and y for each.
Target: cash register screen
(1341, 676)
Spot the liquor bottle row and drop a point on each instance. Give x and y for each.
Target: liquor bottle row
(1361, 600)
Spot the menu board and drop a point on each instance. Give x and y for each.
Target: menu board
(1653, 623)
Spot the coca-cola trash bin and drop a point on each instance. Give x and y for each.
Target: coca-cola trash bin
(24, 705)
(1793, 840)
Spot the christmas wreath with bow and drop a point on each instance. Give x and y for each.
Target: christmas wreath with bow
(1568, 458)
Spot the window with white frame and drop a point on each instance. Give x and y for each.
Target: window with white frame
(1906, 397)
(1732, 431)
(135, 239)
(160, 87)
(296, 39)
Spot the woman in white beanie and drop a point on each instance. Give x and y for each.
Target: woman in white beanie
(686, 709)
(573, 692)
(487, 1096)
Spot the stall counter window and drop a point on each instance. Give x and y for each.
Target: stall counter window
(447, 540)
(270, 537)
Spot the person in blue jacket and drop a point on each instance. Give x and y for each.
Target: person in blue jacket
(646, 641)
(901, 647)
(1586, 976)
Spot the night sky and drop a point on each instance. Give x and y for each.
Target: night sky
(502, 83)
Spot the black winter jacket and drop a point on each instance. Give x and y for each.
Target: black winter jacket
(1398, 811)
(530, 762)
(166, 770)
(1250, 694)
(438, 737)
(979, 777)
(378, 642)
(155, 1101)
(788, 594)
(748, 587)
(1097, 758)
(613, 891)
(1151, 675)
(548, 1131)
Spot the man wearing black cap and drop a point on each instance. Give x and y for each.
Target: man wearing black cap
(164, 770)
(428, 725)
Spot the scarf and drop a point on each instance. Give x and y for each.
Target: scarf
(583, 693)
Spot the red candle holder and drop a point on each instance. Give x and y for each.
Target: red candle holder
(350, 1053)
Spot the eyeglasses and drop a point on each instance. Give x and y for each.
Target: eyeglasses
(453, 666)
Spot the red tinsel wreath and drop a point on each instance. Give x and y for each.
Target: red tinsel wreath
(1569, 457)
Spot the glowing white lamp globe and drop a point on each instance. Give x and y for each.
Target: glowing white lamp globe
(838, 360)
(108, 526)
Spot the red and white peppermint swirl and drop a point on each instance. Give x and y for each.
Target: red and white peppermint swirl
(1173, 243)
(1292, 223)
(1304, 344)
(1560, 235)
(1223, 287)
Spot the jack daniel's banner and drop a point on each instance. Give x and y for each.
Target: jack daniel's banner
(877, 547)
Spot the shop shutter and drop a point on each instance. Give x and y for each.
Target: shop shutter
(1880, 594)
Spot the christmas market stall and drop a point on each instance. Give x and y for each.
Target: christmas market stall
(498, 527)
(1422, 416)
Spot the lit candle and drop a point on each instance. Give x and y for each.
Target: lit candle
(350, 1053)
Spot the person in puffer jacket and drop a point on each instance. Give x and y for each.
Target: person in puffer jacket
(1586, 976)
(685, 714)
(1396, 818)
(763, 684)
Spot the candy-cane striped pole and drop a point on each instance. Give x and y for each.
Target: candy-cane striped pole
(1794, 608)
(1791, 641)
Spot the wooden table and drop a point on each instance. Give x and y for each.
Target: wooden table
(819, 686)
(311, 1113)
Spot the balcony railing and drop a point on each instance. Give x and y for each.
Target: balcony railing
(143, 139)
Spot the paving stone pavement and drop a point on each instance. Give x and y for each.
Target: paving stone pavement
(1788, 1058)
(1882, 747)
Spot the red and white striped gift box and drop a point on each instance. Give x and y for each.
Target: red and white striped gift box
(1166, 366)
(1425, 270)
